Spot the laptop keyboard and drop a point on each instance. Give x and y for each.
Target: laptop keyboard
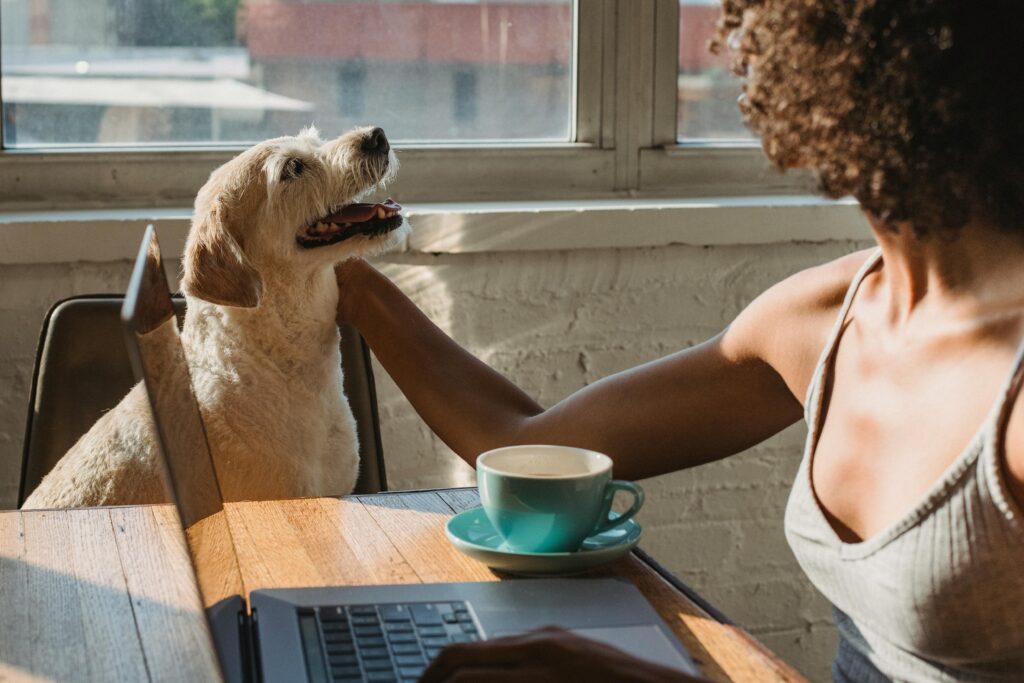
(391, 642)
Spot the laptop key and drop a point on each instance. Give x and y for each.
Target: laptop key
(373, 652)
(380, 676)
(363, 609)
(371, 641)
(344, 671)
(402, 637)
(411, 673)
(434, 642)
(337, 649)
(365, 620)
(410, 660)
(464, 617)
(469, 628)
(367, 630)
(394, 613)
(464, 638)
(431, 631)
(377, 664)
(405, 648)
(333, 614)
(397, 626)
(331, 638)
(349, 659)
(425, 615)
(432, 652)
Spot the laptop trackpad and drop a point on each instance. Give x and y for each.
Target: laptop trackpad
(647, 642)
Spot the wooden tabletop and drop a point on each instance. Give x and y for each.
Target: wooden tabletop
(108, 593)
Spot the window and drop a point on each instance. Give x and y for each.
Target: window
(351, 81)
(465, 97)
(101, 72)
(122, 103)
(707, 88)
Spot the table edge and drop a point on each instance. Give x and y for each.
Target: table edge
(677, 583)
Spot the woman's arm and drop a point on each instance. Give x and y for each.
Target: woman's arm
(692, 407)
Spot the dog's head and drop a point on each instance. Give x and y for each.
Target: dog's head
(288, 206)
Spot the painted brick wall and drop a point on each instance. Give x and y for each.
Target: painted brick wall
(553, 322)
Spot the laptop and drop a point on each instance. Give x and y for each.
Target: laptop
(342, 633)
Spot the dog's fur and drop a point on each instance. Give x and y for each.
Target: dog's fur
(259, 333)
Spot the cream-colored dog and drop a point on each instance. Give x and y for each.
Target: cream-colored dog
(260, 332)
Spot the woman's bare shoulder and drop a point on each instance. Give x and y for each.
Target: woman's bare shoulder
(788, 325)
(820, 290)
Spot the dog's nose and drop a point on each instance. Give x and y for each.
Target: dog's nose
(376, 142)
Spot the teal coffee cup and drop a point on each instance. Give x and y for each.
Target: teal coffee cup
(547, 499)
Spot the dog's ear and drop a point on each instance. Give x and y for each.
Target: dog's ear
(215, 268)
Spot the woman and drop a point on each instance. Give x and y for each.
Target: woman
(905, 360)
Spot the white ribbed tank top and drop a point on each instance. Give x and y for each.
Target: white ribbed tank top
(939, 594)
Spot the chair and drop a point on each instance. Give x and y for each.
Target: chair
(82, 370)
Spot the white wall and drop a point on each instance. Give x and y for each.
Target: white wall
(554, 321)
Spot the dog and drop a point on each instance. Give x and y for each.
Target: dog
(259, 332)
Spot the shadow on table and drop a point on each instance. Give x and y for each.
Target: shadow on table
(57, 626)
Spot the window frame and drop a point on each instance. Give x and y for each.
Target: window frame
(623, 127)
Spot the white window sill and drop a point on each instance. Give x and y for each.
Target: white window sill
(110, 235)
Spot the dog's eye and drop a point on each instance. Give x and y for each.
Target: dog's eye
(293, 169)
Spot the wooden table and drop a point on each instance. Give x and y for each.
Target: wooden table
(107, 593)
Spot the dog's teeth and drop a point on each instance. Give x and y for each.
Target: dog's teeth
(380, 212)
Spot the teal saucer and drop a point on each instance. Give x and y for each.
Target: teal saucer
(472, 533)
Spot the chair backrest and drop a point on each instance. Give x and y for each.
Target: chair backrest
(82, 370)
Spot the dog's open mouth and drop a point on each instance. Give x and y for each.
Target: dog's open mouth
(351, 220)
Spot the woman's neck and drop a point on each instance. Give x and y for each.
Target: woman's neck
(963, 276)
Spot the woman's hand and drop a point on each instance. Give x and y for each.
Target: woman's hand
(548, 655)
(351, 276)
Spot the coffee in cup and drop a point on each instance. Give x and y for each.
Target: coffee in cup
(547, 499)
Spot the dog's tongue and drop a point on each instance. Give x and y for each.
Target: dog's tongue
(358, 213)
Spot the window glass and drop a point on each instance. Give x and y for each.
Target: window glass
(108, 72)
(707, 88)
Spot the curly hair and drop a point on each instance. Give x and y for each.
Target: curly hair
(915, 107)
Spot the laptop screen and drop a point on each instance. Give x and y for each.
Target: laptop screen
(158, 357)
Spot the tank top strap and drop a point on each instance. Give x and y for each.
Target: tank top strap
(1012, 388)
(810, 401)
(1007, 399)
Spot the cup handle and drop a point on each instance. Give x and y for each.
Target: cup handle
(614, 486)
